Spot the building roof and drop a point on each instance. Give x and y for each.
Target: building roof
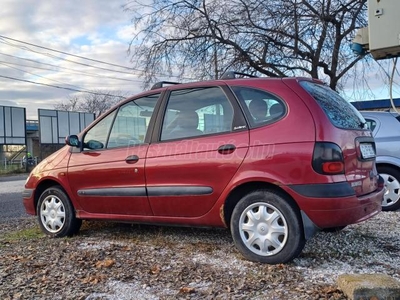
(375, 104)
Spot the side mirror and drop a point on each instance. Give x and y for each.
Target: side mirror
(72, 140)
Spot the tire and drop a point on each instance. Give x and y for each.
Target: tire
(56, 214)
(267, 228)
(391, 199)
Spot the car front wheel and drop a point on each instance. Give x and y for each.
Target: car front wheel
(267, 228)
(391, 198)
(56, 214)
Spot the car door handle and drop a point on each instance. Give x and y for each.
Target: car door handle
(131, 159)
(226, 149)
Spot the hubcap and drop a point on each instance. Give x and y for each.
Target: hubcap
(52, 214)
(263, 229)
(392, 190)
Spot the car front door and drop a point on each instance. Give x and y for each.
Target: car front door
(202, 141)
(107, 175)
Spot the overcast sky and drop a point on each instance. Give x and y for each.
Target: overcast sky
(94, 29)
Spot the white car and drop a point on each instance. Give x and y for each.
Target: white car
(385, 128)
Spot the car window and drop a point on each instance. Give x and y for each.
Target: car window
(131, 123)
(96, 137)
(371, 124)
(196, 112)
(340, 112)
(260, 107)
(124, 127)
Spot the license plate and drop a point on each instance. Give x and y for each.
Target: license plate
(367, 150)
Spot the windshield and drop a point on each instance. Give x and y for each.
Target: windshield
(340, 112)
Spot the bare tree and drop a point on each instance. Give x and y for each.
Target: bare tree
(72, 104)
(96, 102)
(204, 38)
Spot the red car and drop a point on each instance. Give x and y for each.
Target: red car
(272, 159)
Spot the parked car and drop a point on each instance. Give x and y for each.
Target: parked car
(214, 153)
(385, 128)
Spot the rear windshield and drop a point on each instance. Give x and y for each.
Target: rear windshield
(340, 112)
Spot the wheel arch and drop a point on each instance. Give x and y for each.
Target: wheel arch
(387, 165)
(239, 191)
(42, 186)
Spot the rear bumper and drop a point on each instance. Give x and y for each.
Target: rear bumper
(338, 208)
(29, 201)
(325, 190)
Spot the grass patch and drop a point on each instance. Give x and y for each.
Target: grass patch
(24, 234)
(11, 170)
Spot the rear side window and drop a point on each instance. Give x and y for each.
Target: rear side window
(341, 113)
(371, 124)
(261, 108)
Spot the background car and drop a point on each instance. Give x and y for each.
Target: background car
(385, 128)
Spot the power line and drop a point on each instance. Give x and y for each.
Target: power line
(73, 71)
(71, 61)
(5, 64)
(62, 52)
(60, 87)
(3, 38)
(78, 56)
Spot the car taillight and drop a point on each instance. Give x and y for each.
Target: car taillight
(328, 159)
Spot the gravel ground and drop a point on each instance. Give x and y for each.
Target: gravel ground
(124, 261)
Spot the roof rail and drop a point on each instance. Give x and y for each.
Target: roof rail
(161, 84)
(232, 75)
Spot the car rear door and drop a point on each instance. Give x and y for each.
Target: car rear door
(200, 143)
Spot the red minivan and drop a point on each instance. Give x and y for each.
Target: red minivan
(272, 159)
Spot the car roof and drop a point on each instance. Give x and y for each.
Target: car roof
(162, 85)
(379, 114)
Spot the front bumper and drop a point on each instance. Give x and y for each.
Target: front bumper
(28, 199)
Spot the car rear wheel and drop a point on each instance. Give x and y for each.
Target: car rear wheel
(266, 228)
(391, 198)
(56, 214)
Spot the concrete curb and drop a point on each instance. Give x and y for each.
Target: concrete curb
(369, 287)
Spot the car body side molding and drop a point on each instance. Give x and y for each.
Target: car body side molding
(159, 191)
(109, 192)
